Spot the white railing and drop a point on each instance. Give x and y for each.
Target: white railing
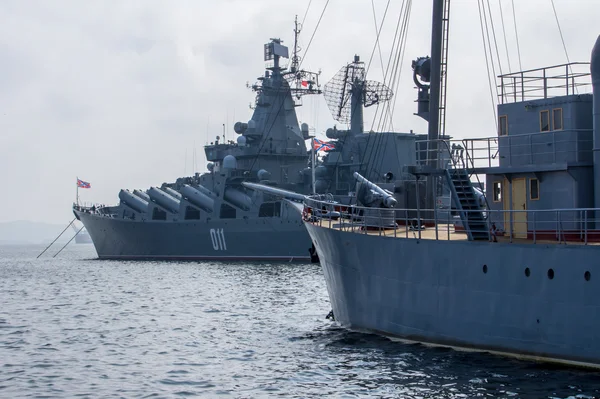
(532, 226)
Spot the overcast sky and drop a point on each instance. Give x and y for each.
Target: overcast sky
(118, 92)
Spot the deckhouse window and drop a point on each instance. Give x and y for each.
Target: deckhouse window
(503, 125)
(544, 121)
(497, 188)
(557, 119)
(191, 213)
(534, 189)
(159, 214)
(227, 212)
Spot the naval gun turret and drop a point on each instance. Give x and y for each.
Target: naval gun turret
(372, 195)
(374, 199)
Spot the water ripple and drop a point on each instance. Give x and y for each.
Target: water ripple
(73, 326)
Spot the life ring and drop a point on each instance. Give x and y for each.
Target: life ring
(305, 212)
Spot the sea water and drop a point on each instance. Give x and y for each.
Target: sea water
(76, 326)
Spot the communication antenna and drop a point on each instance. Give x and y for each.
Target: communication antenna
(207, 124)
(296, 58)
(195, 161)
(301, 82)
(297, 81)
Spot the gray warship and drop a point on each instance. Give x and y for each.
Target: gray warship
(213, 215)
(519, 277)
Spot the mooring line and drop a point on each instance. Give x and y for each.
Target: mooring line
(70, 223)
(68, 241)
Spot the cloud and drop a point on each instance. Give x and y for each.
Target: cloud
(118, 93)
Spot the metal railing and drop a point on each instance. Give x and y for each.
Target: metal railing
(557, 80)
(560, 226)
(450, 154)
(94, 208)
(572, 145)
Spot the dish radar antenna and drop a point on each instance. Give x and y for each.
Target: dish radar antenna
(348, 92)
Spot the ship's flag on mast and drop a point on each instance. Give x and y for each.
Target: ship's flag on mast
(83, 184)
(319, 145)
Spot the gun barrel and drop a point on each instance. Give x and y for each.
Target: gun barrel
(388, 199)
(275, 191)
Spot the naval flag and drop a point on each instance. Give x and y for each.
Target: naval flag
(319, 145)
(83, 184)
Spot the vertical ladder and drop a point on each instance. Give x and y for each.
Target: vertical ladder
(467, 204)
(443, 76)
(444, 67)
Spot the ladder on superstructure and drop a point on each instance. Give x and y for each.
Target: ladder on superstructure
(467, 204)
(443, 79)
(444, 68)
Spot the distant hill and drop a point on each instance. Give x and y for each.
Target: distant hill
(26, 232)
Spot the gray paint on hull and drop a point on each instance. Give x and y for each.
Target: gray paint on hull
(192, 240)
(436, 292)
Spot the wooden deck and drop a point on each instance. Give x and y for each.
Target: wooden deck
(445, 232)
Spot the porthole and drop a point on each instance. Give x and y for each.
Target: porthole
(587, 276)
(527, 272)
(485, 268)
(550, 274)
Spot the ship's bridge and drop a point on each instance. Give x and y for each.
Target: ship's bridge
(545, 123)
(542, 154)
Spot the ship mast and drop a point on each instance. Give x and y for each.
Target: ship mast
(437, 33)
(427, 75)
(437, 39)
(295, 57)
(300, 81)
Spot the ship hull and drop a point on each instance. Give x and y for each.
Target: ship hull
(437, 292)
(237, 239)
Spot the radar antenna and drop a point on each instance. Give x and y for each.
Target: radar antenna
(348, 92)
(297, 81)
(301, 82)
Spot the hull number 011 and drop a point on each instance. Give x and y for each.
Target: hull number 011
(217, 236)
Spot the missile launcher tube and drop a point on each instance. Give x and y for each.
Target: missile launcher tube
(238, 198)
(133, 202)
(198, 198)
(172, 193)
(142, 195)
(164, 200)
